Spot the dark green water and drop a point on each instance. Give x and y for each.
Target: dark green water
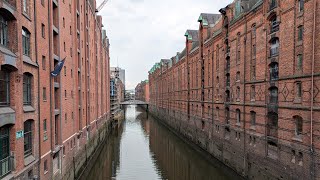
(144, 149)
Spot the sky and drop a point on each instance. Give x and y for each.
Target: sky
(142, 32)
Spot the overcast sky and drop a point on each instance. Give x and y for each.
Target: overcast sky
(142, 32)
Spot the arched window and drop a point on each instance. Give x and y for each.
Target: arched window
(238, 115)
(228, 65)
(4, 88)
(274, 47)
(301, 5)
(228, 80)
(217, 113)
(299, 125)
(228, 98)
(238, 76)
(4, 142)
(253, 118)
(27, 89)
(3, 31)
(238, 93)
(274, 95)
(26, 42)
(227, 115)
(274, 71)
(274, 24)
(28, 137)
(253, 93)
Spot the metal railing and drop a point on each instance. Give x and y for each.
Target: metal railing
(6, 166)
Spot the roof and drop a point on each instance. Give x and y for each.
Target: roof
(208, 19)
(192, 35)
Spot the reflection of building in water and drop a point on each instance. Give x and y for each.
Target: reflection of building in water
(109, 160)
(145, 123)
(178, 161)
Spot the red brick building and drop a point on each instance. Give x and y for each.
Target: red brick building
(46, 122)
(246, 88)
(142, 91)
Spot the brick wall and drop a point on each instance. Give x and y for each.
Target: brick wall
(241, 92)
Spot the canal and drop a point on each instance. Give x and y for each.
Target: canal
(144, 149)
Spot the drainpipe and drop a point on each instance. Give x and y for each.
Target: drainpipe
(36, 53)
(244, 100)
(312, 86)
(50, 67)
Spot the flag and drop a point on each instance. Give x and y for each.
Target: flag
(58, 68)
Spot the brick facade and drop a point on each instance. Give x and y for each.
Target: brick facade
(66, 111)
(243, 87)
(142, 92)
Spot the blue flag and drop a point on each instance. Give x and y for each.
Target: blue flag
(58, 68)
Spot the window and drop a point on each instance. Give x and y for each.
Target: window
(227, 115)
(238, 93)
(3, 31)
(25, 4)
(274, 48)
(65, 118)
(254, 30)
(42, 3)
(299, 89)
(217, 113)
(238, 76)
(45, 125)
(299, 62)
(65, 70)
(63, 22)
(253, 93)
(45, 166)
(70, 30)
(301, 5)
(26, 42)
(4, 88)
(273, 4)
(300, 33)
(27, 89)
(64, 46)
(274, 95)
(299, 124)
(44, 94)
(274, 26)
(253, 118)
(27, 138)
(43, 30)
(238, 116)
(65, 93)
(43, 63)
(4, 149)
(274, 72)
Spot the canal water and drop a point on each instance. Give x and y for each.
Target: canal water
(144, 149)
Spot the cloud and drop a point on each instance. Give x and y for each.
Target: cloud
(143, 32)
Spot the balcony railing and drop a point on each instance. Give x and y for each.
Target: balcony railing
(6, 166)
(274, 26)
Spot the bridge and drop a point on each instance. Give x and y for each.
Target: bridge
(135, 102)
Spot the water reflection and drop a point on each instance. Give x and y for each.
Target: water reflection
(145, 149)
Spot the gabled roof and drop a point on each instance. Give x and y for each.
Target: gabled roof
(192, 35)
(208, 19)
